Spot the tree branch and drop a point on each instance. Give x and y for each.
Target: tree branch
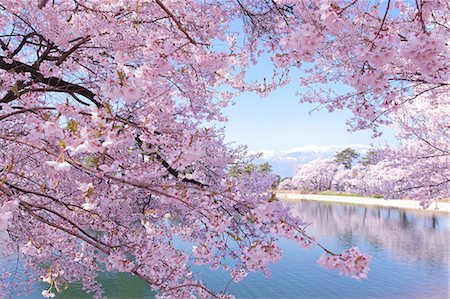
(176, 21)
(60, 84)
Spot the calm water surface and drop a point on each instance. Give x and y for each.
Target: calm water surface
(410, 259)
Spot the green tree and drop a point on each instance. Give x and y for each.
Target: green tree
(369, 157)
(247, 168)
(346, 157)
(265, 167)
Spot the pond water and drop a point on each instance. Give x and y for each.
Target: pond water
(410, 259)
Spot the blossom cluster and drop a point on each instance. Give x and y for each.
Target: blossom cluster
(351, 262)
(109, 138)
(6, 213)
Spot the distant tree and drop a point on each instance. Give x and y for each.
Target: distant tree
(369, 158)
(238, 170)
(265, 167)
(286, 184)
(247, 168)
(317, 175)
(346, 157)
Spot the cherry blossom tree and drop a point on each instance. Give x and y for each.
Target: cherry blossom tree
(394, 56)
(106, 153)
(317, 175)
(372, 180)
(418, 167)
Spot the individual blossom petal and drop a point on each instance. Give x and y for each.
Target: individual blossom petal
(60, 166)
(89, 206)
(86, 147)
(110, 140)
(84, 187)
(48, 294)
(63, 166)
(47, 278)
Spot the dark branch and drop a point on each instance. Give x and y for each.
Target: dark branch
(176, 21)
(63, 86)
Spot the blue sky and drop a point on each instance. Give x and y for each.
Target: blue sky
(279, 122)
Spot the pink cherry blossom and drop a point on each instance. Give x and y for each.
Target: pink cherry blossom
(123, 95)
(5, 216)
(351, 262)
(48, 294)
(6, 213)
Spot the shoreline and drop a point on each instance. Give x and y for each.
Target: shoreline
(292, 195)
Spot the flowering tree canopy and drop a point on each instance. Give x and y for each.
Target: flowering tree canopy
(317, 175)
(105, 152)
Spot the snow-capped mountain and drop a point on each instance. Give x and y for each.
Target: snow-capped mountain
(285, 162)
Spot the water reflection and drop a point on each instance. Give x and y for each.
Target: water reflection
(410, 259)
(411, 236)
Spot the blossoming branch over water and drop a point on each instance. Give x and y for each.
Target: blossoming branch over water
(124, 95)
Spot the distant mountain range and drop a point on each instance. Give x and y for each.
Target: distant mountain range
(285, 162)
